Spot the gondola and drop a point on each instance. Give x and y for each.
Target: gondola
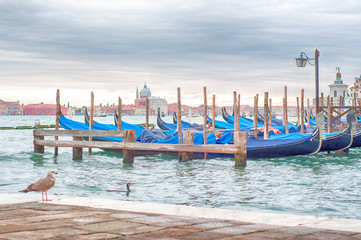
(340, 140)
(243, 122)
(256, 148)
(186, 124)
(171, 126)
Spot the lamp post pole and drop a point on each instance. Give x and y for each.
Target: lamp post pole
(301, 62)
(317, 53)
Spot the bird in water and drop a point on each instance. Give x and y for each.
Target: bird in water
(43, 185)
(128, 189)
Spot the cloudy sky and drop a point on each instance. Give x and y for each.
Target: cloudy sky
(112, 47)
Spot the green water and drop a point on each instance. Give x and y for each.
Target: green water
(321, 184)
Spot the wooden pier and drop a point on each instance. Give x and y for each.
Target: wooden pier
(129, 145)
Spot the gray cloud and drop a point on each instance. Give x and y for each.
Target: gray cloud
(248, 46)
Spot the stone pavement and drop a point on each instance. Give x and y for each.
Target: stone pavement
(35, 220)
(38, 220)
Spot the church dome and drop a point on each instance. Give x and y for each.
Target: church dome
(145, 92)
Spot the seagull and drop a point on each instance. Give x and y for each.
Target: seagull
(42, 185)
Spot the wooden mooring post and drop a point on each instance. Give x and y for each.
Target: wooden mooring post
(39, 148)
(265, 114)
(255, 115)
(147, 114)
(236, 114)
(128, 155)
(57, 122)
(298, 111)
(302, 111)
(188, 138)
(120, 113)
(179, 121)
(285, 110)
(329, 115)
(270, 111)
(91, 117)
(309, 111)
(205, 118)
(239, 138)
(77, 151)
(240, 142)
(213, 112)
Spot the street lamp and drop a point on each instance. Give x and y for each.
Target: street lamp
(301, 62)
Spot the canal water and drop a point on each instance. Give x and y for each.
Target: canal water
(321, 184)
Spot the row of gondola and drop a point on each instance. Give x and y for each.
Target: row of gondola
(279, 144)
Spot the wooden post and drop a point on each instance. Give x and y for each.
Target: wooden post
(239, 104)
(298, 111)
(120, 106)
(179, 121)
(205, 118)
(354, 96)
(321, 101)
(308, 110)
(240, 141)
(91, 116)
(302, 111)
(329, 120)
(286, 110)
(236, 112)
(239, 107)
(39, 148)
(213, 112)
(265, 114)
(57, 121)
(77, 151)
(128, 155)
(255, 115)
(147, 114)
(188, 138)
(270, 111)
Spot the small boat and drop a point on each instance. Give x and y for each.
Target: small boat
(100, 115)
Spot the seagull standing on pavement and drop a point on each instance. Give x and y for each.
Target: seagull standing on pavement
(42, 185)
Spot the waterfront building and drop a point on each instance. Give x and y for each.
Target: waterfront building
(356, 89)
(154, 102)
(42, 109)
(10, 108)
(338, 89)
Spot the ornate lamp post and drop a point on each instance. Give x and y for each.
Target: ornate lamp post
(301, 62)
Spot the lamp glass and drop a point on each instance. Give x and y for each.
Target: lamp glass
(301, 62)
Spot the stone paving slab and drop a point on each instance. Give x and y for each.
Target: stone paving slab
(39, 220)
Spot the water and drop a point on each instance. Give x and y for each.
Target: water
(321, 184)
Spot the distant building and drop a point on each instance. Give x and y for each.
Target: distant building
(10, 108)
(154, 102)
(42, 109)
(2, 107)
(356, 89)
(338, 89)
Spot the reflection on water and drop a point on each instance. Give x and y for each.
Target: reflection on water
(322, 184)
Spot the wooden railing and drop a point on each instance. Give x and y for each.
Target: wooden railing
(335, 114)
(129, 145)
